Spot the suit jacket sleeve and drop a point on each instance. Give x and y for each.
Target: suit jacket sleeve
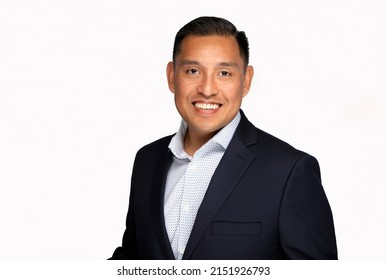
(128, 250)
(306, 226)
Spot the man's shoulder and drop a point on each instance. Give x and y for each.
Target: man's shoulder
(157, 145)
(266, 138)
(269, 144)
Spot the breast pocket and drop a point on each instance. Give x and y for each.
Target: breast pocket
(236, 228)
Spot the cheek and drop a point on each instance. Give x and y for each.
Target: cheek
(234, 94)
(180, 100)
(182, 91)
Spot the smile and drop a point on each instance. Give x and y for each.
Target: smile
(206, 106)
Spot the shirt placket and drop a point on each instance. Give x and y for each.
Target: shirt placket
(186, 210)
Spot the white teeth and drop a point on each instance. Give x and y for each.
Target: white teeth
(206, 106)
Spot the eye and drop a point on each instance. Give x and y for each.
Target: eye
(224, 74)
(192, 71)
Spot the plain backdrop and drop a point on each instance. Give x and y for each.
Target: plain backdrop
(83, 87)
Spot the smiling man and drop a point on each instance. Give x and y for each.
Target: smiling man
(209, 79)
(220, 188)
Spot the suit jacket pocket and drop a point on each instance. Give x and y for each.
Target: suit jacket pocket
(236, 228)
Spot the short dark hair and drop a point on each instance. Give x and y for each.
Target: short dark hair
(205, 26)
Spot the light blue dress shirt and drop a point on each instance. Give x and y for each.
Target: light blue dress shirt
(187, 181)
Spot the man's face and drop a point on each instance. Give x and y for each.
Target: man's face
(209, 82)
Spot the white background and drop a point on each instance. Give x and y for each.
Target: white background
(83, 87)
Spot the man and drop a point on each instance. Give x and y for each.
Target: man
(220, 188)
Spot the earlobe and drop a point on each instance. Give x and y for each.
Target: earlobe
(170, 75)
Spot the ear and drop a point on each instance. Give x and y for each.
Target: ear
(170, 75)
(248, 79)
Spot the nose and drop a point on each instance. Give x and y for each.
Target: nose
(207, 86)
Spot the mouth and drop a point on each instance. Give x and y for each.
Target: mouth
(207, 106)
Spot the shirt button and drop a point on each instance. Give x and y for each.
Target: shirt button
(181, 251)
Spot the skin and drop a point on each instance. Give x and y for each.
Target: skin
(208, 73)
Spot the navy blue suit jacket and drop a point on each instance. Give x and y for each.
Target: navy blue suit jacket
(265, 201)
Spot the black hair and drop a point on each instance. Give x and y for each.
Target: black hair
(205, 26)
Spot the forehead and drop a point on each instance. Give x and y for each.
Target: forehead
(210, 47)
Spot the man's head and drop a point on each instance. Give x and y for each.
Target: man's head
(205, 26)
(209, 75)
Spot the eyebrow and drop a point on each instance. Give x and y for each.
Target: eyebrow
(194, 62)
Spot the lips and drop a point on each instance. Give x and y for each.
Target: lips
(206, 106)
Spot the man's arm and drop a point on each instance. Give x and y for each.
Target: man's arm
(128, 250)
(306, 225)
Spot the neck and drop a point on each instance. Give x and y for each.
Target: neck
(194, 141)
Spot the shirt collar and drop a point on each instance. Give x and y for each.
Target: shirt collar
(223, 137)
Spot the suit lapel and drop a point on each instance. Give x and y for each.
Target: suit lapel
(157, 198)
(232, 166)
